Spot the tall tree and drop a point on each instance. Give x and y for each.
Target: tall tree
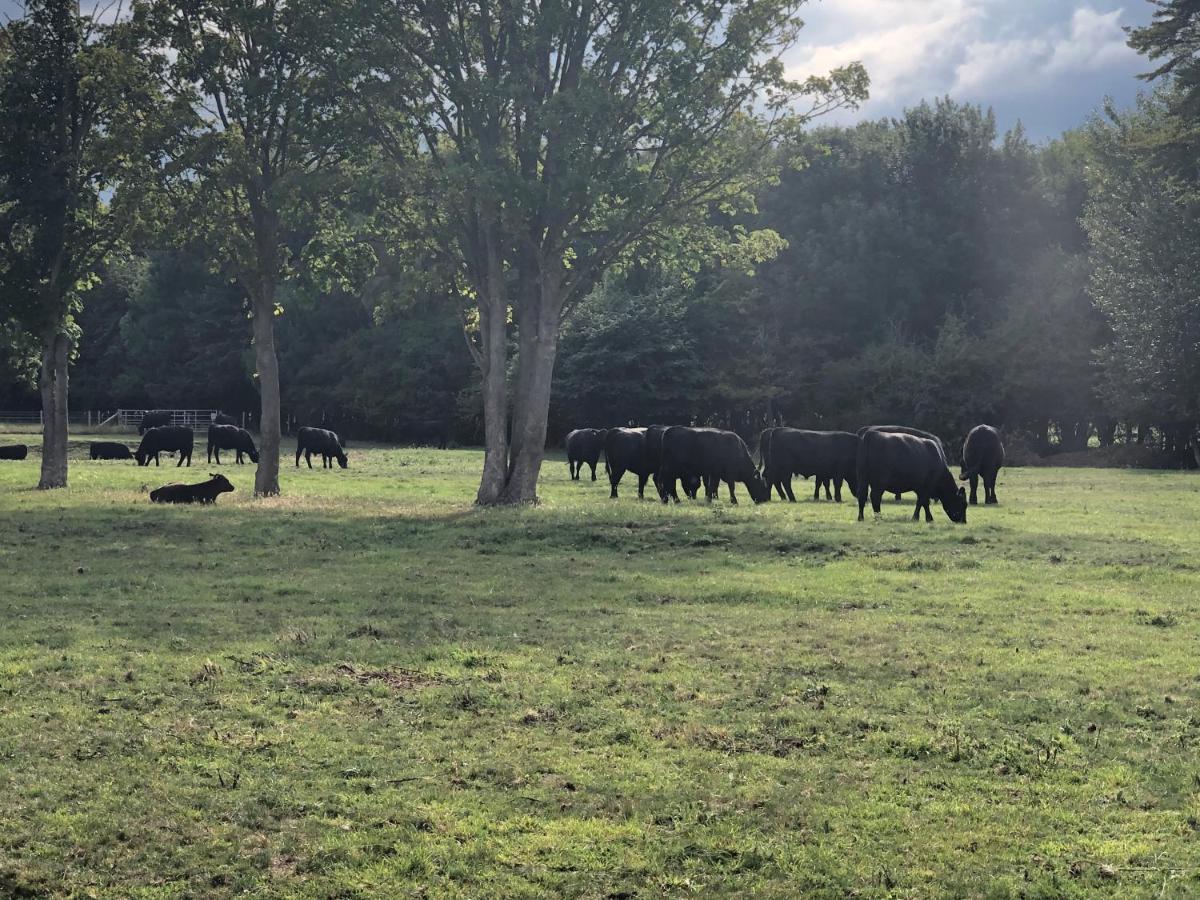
(76, 99)
(563, 137)
(266, 141)
(1145, 267)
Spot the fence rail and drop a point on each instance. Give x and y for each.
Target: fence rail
(118, 420)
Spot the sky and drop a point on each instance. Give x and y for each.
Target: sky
(1046, 63)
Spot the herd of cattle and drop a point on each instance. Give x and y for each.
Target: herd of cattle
(877, 460)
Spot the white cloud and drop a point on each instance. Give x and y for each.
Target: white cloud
(1050, 60)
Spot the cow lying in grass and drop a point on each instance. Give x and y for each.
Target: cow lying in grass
(110, 450)
(14, 451)
(205, 492)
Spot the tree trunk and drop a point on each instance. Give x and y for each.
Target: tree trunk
(531, 402)
(493, 364)
(52, 383)
(266, 478)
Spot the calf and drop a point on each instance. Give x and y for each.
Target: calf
(983, 455)
(584, 445)
(109, 450)
(895, 463)
(166, 439)
(320, 440)
(230, 437)
(14, 451)
(205, 492)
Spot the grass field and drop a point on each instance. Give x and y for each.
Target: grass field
(367, 688)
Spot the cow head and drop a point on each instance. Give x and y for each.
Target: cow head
(342, 461)
(253, 455)
(221, 483)
(955, 505)
(142, 457)
(760, 491)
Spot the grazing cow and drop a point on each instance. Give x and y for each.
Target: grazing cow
(155, 419)
(715, 456)
(205, 492)
(14, 451)
(425, 433)
(166, 439)
(109, 450)
(983, 455)
(826, 456)
(584, 445)
(320, 440)
(691, 482)
(230, 437)
(904, 429)
(895, 462)
(625, 451)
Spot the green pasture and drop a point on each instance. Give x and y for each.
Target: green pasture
(369, 688)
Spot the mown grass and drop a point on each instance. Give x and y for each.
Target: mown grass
(368, 688)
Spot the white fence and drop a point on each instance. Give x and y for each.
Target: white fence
(119, 420)
(192, 418)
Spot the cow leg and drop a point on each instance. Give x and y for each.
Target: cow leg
(642, 486)
(308, 457)
(920, 506)
(614, 478)
(837, 490)
(974, 488)
(876, 500)
(593, 465)
(298, 452)
(862, 502)
(816, 489)
(989, 489)
(928, 512)
(787, 485)
(898, 496)
(828, 494)
(732, 495)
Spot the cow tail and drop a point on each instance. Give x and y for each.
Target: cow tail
(970, 473)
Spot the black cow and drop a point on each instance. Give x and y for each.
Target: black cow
(715, 456)
(109, 450)
(166, 439)
(826, 456)
(223, 419)
(983, 455)
(425, 433)
(230, 437)
(904, 429)
(14, 451)
(691, 482)
(155, 419)
(320, 440)
(895, 462)
(584, 445)
(205, 492)
(625, 451)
